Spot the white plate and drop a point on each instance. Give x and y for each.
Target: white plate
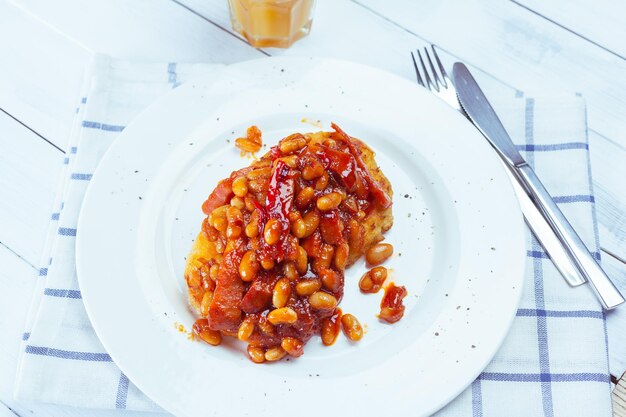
(458, 237)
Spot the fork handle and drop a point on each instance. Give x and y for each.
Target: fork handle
(609, 295)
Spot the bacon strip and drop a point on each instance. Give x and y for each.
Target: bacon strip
(376, 189)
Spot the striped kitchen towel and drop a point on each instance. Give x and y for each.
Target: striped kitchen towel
(553, 363)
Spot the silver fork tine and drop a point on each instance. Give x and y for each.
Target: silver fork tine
(438, 83)
(429, 83)
(445, 80)
(435, 79)
(417, 71)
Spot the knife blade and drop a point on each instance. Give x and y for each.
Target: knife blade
(483, 116)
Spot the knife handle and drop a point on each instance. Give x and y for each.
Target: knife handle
(542, 230)
(609, 295)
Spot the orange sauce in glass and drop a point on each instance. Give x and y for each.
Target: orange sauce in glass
(273, 23)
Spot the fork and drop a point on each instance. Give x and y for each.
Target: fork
(437, 81)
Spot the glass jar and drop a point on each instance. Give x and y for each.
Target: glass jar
(277, 23)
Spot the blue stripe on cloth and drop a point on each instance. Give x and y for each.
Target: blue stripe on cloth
(477, 399)
(528, 312)
(55, 216)
(25, 336)
(74, 149)
(67, 231)
(81, 177)
(537, 254)
(542, 330)
(43, 272)
(102, 126)
(122, 392)
(66, 161)
(552, 147)
(68, 354)
(574, 199)
(545, 377)
(62, 293)
(83, 100)
(542, 255)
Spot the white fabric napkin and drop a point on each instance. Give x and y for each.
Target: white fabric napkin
(554, 361)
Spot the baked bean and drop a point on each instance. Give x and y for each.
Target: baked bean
(275, 354)
(245, 330)
(215, 269)
(308, 286)
(322, 181)
(373, 279)
(259, 173)
(330, 328)
(249, 202)
(351, 327)
(322, 301)
(298, 228)
(292, 143)
(240, 186)
(304, 197)
(221, 224)
(329, 201)
(234, 215)
(281, 293)
(220, 246)
(206, 303)
(291, 345)
(291, 161)
(312, 171)
(252, 228)
(272, 231)
(233, 232)
(294, 216)
(326, 257)
(256, 354)
(219, 212)
(302, 261)
(252, 142)
(341, 256)
(290, 271)
(378, 253)
(266, 327)
(257, 186)
(249, 266)
(366, 284)
(238, 202)
(379, 274)
(307, 225)
(267, 264)
(330, 279)
(283, 315)
(201, 329)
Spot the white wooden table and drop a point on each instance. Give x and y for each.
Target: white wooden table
(528, 45)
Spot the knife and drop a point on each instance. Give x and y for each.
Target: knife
(483, 116)
(544, 234)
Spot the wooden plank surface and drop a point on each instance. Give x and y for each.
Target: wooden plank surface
(30, 170)
(42, 72)
(599, 21)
